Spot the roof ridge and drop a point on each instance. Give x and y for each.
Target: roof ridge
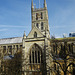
(10, 38)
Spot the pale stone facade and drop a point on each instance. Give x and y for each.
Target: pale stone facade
(36, 50)
(9, 46)
(36, 46)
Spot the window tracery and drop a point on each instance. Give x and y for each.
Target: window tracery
(35, 54)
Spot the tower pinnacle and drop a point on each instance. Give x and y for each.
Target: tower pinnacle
(24, 36)
(45, 5)
(32, 5)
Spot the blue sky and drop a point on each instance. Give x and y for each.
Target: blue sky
(15, 17)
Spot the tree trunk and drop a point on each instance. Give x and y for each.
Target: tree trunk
(64, 72)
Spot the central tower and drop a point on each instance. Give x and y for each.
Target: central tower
(40, 19)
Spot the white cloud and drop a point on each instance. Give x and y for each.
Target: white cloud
(14, 26)
(3, 30)
(58, 27)
(62, 26)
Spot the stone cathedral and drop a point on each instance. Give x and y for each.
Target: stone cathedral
(36, 45)
(37, 48)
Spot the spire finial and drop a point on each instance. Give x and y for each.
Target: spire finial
(45, 5)
(24, 35)
(32, 4)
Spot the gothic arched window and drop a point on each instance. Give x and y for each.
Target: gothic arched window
(42, 27)
(37, 25)
(35, 34)
(36, 16)
(35, 54)
(41, 15)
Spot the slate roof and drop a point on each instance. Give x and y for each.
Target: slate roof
(11, 40)
(8, 57)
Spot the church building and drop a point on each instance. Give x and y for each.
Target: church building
(35, 47)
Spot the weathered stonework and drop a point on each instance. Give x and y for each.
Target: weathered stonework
(38, 38)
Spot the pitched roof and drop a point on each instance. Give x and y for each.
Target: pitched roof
(11, 40)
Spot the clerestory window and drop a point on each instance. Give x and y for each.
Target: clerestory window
(42, 26)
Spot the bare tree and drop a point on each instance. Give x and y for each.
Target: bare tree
(65, 55)
(12, 66)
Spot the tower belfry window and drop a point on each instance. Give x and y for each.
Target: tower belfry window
(42, 27)
(37, 25)
(36, 16)
(35, 34)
